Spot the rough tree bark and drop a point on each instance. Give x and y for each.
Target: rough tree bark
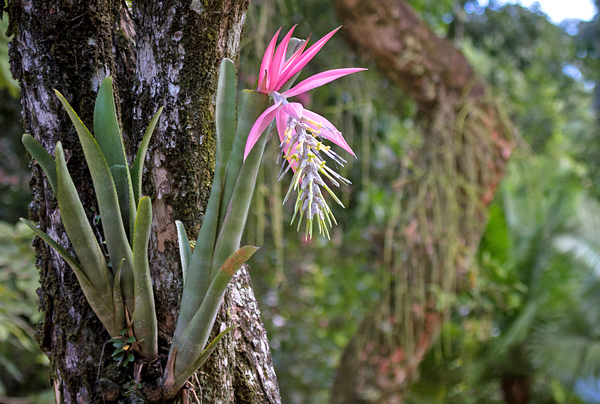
(160, 53)
(453, 176)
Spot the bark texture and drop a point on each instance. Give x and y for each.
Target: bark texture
(160, 53)
(439, 213)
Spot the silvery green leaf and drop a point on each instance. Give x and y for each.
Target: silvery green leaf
(145, 325)
(106, 194)
(251, 105)
(101, 306)
(138, 164)
(225, 114)
(193, 338)
(106, 126)
(43, 158)
(185, 251)
(79, 230)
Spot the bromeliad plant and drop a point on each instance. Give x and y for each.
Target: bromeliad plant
(119, 290)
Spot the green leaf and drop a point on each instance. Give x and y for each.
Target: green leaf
(130, 357)
(123, 185)
(79, 230)
(185, 251)
(252, 104)
(237, 210)
(106, 126)
(194, 337)
(109, 139)
(106, 194)
(118, 304)
(197, 279)
(145, 325)
(11, 368)
(204, 355)
(235, 262)
(138, 164)
(225, 114)
(520, 327)
(43, 158)
(102, 308)
(59, 249)
(131, 339)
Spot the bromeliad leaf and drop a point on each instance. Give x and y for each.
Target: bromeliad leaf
(59, 249)
(252, 105)
(123, 185)
(117, 297)
(238, 259)
(185, 250)
(109, 139)
(112, 222)
(43, 158)
(237, 209)
(144, 315)
(101, 306)
(106, 126)
(138, 164)
(196, 333)
(199, 270)
(206, 353)
(225, 114)
(80, 232)
(108, 136)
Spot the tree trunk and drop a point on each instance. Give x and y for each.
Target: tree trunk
(516, 389)
(439, 211)
(160, 53)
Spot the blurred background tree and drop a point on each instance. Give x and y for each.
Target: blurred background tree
(523, 324)
(14, 170)
(317, 300)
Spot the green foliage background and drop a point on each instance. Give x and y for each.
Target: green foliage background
(529, 293)
(315, 294)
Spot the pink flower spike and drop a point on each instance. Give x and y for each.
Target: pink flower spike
(267, 58)
(297, 65)
(259, 127)
(328, 131)
(320, 79)
(302, 133)
(278, 59)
